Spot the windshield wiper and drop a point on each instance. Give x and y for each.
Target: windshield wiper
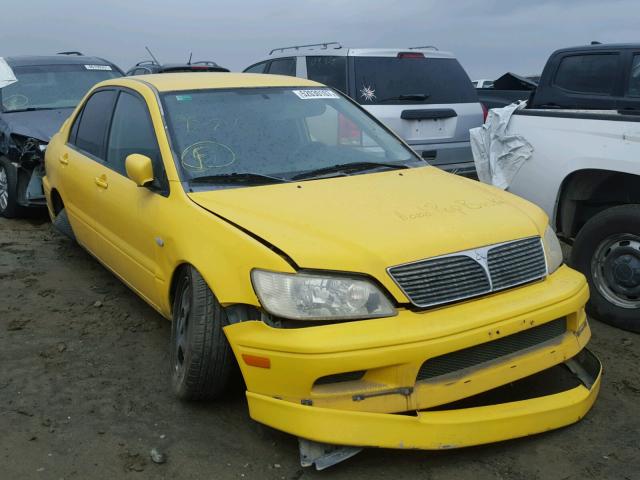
(346, 168)
(242, 177)
(408, 96)
(34, 109)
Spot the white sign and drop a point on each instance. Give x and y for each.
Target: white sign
(98, 67)
(312, 94)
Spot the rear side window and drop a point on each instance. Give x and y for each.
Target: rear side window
(594, 73)
(390, 80)
(283, 66)
(93, 123)
(257, 68)
(331, 71)
(634, 77)
(131, 132)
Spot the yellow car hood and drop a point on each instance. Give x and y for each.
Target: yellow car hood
(366, 223)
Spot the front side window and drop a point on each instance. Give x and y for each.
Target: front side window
(634, 77)
(283, 66)
(92, 123)
(592, 73)
(278, 132)
(132, 132)
(46, 87)
(328, 70)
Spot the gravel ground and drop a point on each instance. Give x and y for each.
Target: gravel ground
(84, 394)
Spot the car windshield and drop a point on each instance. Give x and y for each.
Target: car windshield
(41, 87)
(224, 135)
(411, 79)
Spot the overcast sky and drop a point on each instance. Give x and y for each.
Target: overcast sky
(489, 37)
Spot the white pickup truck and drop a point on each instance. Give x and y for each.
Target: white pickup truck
(583, 168)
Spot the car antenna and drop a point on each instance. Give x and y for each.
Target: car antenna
(190, 55)
(152, 56)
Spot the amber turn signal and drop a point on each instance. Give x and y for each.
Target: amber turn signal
(254, 361)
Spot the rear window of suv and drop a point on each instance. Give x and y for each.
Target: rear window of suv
(385, 80)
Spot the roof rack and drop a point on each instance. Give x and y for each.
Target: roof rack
(71, 52)
(324, 46)
(425, 47)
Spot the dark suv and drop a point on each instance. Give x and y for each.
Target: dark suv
(43, 94)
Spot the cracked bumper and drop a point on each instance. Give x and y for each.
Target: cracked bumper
(391, 354)
(442, 429)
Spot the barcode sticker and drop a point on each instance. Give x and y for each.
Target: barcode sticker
(312, 94)
(98, 67)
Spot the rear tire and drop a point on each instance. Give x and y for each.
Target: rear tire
(607, 251)
(9, 206)
(201, 358)
(61, 223)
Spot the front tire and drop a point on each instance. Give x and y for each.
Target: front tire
(201, 358)
(607, 251)
(9, 206)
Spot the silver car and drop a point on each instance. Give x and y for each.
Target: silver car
(421, 93)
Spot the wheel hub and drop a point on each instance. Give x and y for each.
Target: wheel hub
(616, 270)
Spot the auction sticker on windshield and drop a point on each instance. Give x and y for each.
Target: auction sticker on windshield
(312, 94)
(98, 67)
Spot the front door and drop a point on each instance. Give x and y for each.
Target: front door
(128, 234)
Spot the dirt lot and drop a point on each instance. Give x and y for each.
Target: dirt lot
(84, 394)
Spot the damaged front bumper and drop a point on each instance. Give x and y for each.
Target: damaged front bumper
(495, 368)
(447, 428)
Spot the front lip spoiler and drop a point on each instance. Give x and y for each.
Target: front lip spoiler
(437, 429)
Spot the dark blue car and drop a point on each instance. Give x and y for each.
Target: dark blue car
(32, 109)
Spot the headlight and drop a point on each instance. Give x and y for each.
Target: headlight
(304, 296)
(552, 250)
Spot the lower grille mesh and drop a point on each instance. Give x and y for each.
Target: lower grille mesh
(486, 352)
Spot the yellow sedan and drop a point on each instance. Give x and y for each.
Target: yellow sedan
(368, 298)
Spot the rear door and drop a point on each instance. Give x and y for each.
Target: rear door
(425, 100)
(81, 160)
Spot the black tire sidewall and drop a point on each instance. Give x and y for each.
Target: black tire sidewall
(209, 360)
(12, 208)
(615, 220)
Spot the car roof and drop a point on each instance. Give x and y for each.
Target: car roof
(29, 60)
(601, 46)
(174, 82)
(429, 52)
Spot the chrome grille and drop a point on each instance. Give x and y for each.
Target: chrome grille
(471, 273)
(516, 262)
(442, 280)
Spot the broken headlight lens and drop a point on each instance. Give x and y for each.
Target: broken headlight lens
(305, 296)
(552, 250)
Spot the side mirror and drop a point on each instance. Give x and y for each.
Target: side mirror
(139, 169)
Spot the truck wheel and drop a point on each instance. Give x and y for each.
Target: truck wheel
(201, 358)
(61, 223)
(9, 207)
(607, 251)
